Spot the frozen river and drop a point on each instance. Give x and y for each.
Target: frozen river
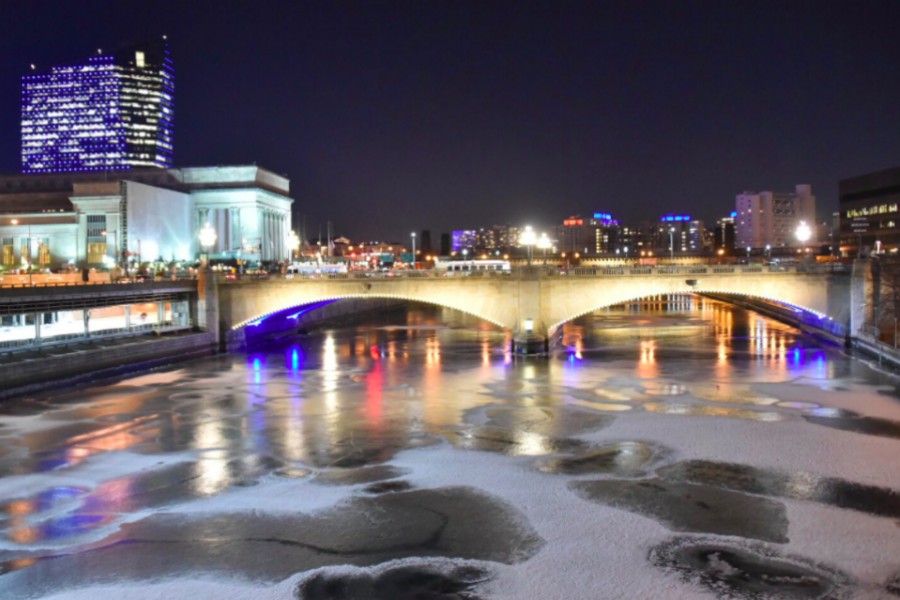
(670, 450)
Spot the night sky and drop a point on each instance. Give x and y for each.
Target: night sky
(390, 117)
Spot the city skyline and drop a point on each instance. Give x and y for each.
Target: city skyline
(395, 118)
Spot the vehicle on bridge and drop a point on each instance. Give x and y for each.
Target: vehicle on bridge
(315, 268)
(469, 266)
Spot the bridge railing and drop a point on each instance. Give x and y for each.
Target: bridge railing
(556, 271)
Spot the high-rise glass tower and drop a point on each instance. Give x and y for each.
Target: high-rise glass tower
(113, 111)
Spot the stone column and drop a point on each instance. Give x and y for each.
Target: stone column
(279, 226)
(127, 316)
(38, 317)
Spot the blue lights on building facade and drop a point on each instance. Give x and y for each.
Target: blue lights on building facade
(675, 218)
(111, 112)
(605, 219)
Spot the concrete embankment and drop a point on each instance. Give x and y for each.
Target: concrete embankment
(883, 353)
(58, 367)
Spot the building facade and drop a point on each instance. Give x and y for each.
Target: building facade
(676, 235)
(143, 215)
(769, 220)
(724, 243)
(869, 216)
(110, 112)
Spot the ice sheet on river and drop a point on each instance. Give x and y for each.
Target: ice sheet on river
(436, 466)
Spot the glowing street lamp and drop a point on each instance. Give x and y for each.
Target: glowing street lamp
(528, 238)
(803, 232)
(294, 242)
(544, 243)
(413, 236)
(208, 238)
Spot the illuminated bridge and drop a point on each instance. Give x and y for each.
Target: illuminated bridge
(533, 302)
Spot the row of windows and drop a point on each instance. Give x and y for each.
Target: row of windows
(871, 210)
(26, 251)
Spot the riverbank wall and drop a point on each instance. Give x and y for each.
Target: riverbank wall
(66, 367)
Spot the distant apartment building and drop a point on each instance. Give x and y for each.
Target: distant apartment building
(464, 239)
(598, 235)
(503, 237)
(676, 235)
(770, 219)
(111, 112)
(869, 215)
(576, 234)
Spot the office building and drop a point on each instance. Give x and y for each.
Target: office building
(770, 219)
(724, 243)
(677, 235)
(111, 112)
(576, 234)
(869, 215)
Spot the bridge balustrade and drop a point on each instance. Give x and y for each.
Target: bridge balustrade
(554, 270)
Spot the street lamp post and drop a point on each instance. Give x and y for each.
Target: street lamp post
(294, 241)
(528, 239)
(671, 243)
(803, 233)
(413, 236)
(544, 243)
(207, 240)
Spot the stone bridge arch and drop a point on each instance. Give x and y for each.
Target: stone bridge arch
(491, 299)
(810, 295)
(533, 302)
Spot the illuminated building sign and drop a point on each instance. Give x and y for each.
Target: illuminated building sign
(108, 113)
(573, 222)
(674, 218)
(605, 219)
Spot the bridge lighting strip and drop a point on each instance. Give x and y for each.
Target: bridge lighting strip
(255, 321)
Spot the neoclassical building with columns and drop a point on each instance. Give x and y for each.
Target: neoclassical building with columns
(50, 221)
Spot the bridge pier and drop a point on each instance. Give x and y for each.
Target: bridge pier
(530, 343)
(207, 315)
(530, 315)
